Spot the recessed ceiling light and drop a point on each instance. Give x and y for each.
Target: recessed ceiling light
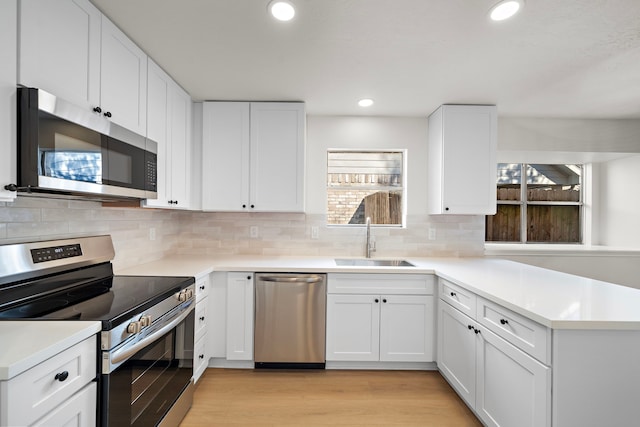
(505, 9)
(282, 10)
(365, 102)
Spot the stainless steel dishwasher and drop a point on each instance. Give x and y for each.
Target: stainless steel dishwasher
(290, 320)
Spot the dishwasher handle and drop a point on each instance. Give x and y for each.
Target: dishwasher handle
(290, 279)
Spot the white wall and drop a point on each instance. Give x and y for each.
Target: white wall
(620, 203)
(569, 135)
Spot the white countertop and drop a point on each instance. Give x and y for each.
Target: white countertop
(556, 300)
(26, 343)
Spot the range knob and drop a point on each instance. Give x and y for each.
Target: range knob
(145, 321)
(134, 327)
(181, 296)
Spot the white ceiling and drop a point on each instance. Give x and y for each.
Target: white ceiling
(557, 58)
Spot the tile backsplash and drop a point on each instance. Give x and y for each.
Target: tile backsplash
(185, 232)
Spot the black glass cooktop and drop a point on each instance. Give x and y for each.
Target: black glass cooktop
(110, 300)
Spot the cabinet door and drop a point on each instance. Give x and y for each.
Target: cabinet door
(462, 160)
(217, 313)
(353, 327)
(158, 93)
(225, 156)
(240, 316)
(407, 328)
(60, 49)
(513, 389)
(277, 157)
(123, 79)
(180, 135)
(457, 351)
(8, 117)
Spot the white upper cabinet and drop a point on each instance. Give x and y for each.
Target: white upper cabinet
(169, 124)
(8, 119)
(225, 156)
(68, 48)
(180, 135)
(60, 49)
(462, 160)
(277, 156)
(253, 156)
(123, 79)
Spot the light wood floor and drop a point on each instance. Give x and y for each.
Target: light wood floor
(270, 398)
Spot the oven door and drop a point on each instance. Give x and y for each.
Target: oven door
(142, 389)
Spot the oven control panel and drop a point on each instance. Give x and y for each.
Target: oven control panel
(55, 252)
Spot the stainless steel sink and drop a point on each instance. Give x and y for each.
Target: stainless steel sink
(359, 262)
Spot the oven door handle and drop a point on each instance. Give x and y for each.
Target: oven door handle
(125, 353)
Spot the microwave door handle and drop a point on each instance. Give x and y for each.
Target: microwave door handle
(125, 353)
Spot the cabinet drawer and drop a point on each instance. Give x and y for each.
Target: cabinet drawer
(529, 336)
(200, 359)
(202, 288)
(79, 410)
(201, 319)
(37, 392)
(396, 284)
(458, 297)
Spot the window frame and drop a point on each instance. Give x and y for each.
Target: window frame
(524, 203)
(403, 187)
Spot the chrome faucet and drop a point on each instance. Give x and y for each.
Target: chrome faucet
(371, 247)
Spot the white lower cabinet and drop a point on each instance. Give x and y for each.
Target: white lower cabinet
(512, 388)
(457, 351)
(353, 327)
(200, 354)
(200, 359)
(239, 321)
(58, 391)
(79, 411)
(367, 327)
(503, 385)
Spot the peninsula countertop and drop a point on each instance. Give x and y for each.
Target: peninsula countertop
(554, 299)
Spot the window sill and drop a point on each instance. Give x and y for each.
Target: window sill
(498, 249)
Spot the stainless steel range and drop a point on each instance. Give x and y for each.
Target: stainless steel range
(146, 344)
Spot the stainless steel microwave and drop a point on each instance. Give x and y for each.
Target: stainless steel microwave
(64, 150)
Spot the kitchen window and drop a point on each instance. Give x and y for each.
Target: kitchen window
(366, 183)
(537, 203)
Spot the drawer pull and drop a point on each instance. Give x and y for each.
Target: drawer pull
(201, 356)
(477, 331)
(202, 318)
(377, 300)
(470, 327)
(384, 300)
(453, 294)
(504, 321)
(61, 376)
(202, 287)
